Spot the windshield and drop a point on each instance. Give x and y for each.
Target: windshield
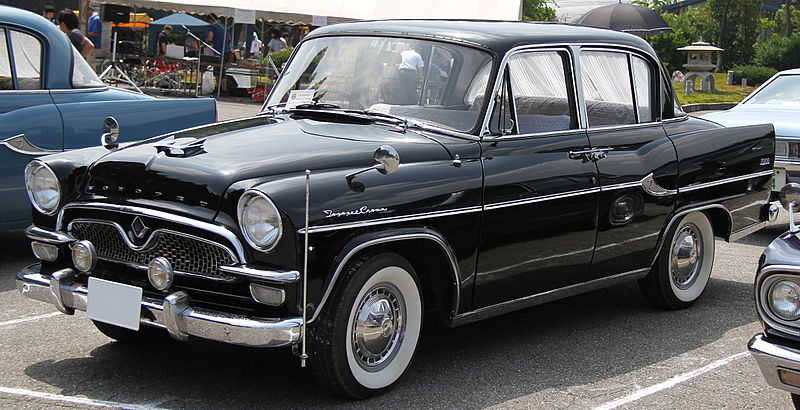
(433, 82)
(784, 90)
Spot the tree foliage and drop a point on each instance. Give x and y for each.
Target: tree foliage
(538, 10)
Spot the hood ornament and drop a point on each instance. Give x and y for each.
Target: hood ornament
(388, 161)
(190, 149)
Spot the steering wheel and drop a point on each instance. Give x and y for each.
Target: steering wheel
(352, 100)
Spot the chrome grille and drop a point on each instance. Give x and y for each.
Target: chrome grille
(189, 255)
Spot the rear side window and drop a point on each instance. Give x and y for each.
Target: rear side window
(27, 51)
(607, 88)
(643, 88)
(541, 92)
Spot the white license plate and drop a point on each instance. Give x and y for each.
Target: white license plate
(114, 303)
(778, 179)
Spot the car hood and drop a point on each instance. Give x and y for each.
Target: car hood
(784, 119)
(194, 167)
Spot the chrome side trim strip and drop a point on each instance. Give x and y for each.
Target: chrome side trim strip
(20, 144)
(703, 185)
(282, 277)
(540, 199)
(439, 241)
(389, 220)
(41, 235)
(747, 230)
(761, 276)
(625, 185)
(548, 296)
(135, 210)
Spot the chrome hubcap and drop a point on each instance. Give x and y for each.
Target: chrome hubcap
(378, 326)
(685, 261)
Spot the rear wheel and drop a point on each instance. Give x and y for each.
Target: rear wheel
(684, 264)
(365, 339)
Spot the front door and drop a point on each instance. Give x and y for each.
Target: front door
(540, 202)
(30, 125)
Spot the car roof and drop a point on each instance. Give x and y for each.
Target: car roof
(499, 36)
(790, 71)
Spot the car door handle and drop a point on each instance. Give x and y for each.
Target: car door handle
(593, 154)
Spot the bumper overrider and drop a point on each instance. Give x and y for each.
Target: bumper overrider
(173, 313)
(780, 364)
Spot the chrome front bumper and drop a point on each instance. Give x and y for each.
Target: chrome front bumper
(771, 357)
(174, 313)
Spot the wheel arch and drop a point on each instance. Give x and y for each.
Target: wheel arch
(717, 214)
(425, 249)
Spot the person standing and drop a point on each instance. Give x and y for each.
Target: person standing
(410, 68)
(49, 12)
(162, 40)
(255, 47)
(276, 42)
(68, 22)
(94, 31)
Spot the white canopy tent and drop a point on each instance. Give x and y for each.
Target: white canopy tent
(344, 10)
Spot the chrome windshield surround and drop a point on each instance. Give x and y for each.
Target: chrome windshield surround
(153, 237)
(764, 280)
(165, 216)
(703, 185)
(20, 144)
(427, 236)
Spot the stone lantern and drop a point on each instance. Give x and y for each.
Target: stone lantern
(699, 64)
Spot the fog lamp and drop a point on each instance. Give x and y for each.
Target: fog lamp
(784, 299)
(160, 274)
(267, 295)
(44, 251)
(83, 256)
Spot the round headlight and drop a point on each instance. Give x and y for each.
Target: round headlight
(83, 256)
(784, 299)
(259, 220)
(160, 274)
(43, 188)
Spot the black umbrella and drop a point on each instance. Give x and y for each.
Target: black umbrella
(626, 17)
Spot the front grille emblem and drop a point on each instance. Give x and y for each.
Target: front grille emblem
(139, 228)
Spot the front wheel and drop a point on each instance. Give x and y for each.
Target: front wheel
(365, 339)
(684, 264)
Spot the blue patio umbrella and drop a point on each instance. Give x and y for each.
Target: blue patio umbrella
(178, 21)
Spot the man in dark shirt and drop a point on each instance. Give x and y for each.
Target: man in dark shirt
(161, 42)
(68, 22)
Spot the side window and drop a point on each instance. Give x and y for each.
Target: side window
(27, 52)
(541, 94)
(643, 88)
(607, 88)
(501, 123)
(6, 83)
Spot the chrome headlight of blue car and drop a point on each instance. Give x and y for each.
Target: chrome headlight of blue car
(259, 220)
(43, 188)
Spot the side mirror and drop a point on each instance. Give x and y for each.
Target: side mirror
(110, 133)
(388, 158)
(790, 199)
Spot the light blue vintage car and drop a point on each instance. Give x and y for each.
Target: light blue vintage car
(777, 101)
(51, 101)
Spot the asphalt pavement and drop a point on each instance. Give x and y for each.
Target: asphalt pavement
(605, 349)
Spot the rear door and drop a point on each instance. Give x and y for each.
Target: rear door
(638, 173)
(30, 125)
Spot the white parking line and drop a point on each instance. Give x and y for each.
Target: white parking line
(73, 400)
(669, 383)
(29, 319)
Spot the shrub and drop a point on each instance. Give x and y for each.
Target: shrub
(779, 52)
(279, 57)
(753, 73)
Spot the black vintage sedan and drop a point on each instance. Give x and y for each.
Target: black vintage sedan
(401, 170)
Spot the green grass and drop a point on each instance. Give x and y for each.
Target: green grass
(724, 93)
